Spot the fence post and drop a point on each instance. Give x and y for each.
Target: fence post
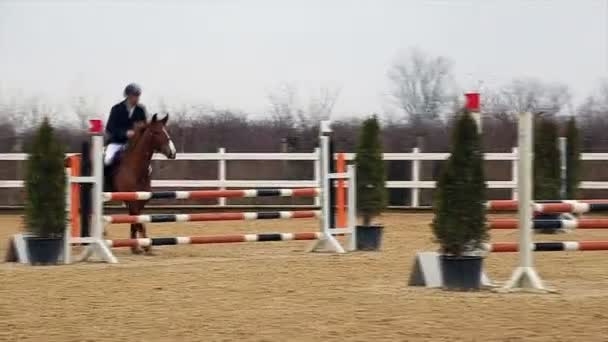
(221, 173)
(415, 191)
(67, 257)
(563, 144)
(339, 192)
(317, 174)
(514, 167)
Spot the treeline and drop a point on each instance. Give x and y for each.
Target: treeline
(237, 133)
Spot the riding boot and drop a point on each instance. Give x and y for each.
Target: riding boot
(108, 170)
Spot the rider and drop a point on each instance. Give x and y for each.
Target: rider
(124, 117)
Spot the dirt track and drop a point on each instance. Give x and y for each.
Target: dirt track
(277, 292)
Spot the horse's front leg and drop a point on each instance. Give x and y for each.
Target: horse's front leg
(134, 229)
(144, 234)
(142, 229)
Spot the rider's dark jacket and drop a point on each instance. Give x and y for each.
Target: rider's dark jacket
(120, 122)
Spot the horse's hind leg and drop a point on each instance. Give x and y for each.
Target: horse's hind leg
(135, 227)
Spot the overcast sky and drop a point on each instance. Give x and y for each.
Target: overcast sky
(231, 53)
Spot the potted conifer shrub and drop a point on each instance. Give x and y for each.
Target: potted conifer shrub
(371, 190)
(459, 225)
(547, 172)
(45, 216)
(573, 159)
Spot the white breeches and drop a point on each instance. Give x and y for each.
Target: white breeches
(111, 151)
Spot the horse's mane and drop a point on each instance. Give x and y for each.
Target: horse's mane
(139, 134)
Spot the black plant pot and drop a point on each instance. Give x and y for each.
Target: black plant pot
(369, 238)
(44, 251)
(461, 273)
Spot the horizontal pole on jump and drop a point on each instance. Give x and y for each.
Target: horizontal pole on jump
(553, 207)
(549, 246)
(209, 194)
(157, 218)
(550, 224)
(196, 240)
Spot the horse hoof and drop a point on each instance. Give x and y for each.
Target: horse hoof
(136, 250)
(148, 251)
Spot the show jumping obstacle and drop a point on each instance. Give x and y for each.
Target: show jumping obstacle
(426, 271)
(197, 240)
(525, 275)
(325, 238)
(209, 194)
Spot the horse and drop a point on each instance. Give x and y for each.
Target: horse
(133, 170)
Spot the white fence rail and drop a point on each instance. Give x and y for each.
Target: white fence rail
(415, 184)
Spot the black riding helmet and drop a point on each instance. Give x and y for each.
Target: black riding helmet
(132, 89)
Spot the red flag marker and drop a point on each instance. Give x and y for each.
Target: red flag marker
(95, 126)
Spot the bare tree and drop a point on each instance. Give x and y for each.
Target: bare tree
(524, 94)
(421, 85)
(8, 136)
(84, 109)
(26, 113)
(596, 104)
(284, 106)
(594, 114)
(289, 111)
(320, 106)
(180, 125)
(603, 92)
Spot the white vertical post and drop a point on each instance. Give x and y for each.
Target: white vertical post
(97, 203)
(563, 144)
(329, 241)
(525, 188)
(326, 184)
(97, 244)
(317, 175)
(67, 234)
(352, 207)
(514, 170)
(415, 191)
(221, 172)
(326, 211)
(525, 276)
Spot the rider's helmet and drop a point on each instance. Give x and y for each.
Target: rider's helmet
(132, 89)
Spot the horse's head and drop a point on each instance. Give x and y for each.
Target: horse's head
(159, 137)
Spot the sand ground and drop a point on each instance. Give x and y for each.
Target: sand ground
(277, 292)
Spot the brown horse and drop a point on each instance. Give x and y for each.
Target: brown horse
(132, 172)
